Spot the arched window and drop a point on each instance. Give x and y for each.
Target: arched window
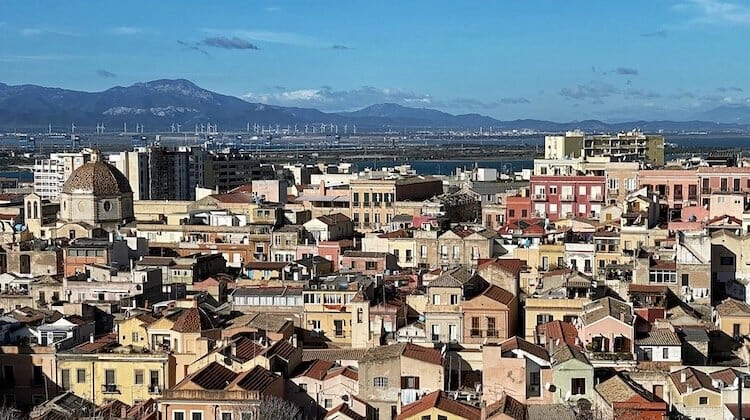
(28, 210)
(36, 210)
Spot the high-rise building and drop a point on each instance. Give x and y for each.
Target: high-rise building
(631, 146)
(50, 174)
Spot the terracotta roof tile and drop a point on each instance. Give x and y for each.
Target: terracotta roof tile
(604, 307)
(517, 343)
(508, 406)
(346, 371)
(694, 378)
(317, 369)
(659, 337)
(439, 400)
(498, 294)
(214, 376)
(192, 320)
(733, 307)
(558, 330)
(344, 409)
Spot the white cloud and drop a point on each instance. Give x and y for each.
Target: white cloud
(327, 99)
(36, 31)
(716, 12)
(131, 30)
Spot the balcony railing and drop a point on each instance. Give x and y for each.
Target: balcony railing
(475, 333)
(596, 197)
(154, 389)
(567, 197)
(492, 333)
(540, 196)
(110, 389)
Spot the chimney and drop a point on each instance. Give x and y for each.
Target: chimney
(91, 338)
(233, 349)
(683, 377)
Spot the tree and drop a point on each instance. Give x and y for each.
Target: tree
(274, 408)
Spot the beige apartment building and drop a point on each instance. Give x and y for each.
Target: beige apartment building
(372, 199)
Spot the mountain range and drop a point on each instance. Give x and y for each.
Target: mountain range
(160, 103)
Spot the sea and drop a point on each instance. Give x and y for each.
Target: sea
(682, 144)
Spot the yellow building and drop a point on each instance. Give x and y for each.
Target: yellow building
(733, 317)
(102, 370)
(693, 394)
(437, 405)
(329, 310)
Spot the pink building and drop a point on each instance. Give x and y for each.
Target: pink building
(607, 326)
(723, 180)
(675, 187)
(516, 368)
(556, 197)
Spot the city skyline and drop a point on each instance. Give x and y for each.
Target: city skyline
(644, 60)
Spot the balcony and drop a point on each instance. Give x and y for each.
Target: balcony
(110, 389)
(492, 333)
(154, 389)
(596, 197)
(476, 333)
(540, 196)
(567, 197)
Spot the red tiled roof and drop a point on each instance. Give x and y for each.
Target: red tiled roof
(517, 343)
(265, 265)
(345, 371)
(499, 294)
(559, 330)
(247, 349)
(693, 377)
(439, 400)
(647, 288)
(558, 272)
(317, 369)
(98, 344)
(214, 376)
(462, 233)
(333, 219)
(344, 409)
(413, 351)
(234, 198)
(401, 233)
(256, 379)
(664, 265)
(191, 320)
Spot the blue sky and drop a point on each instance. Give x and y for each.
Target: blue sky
(554, 60)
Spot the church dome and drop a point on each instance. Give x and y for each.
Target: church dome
(97, 178)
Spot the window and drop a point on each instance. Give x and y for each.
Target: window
(109, 376)
(454, 299)
(423, 251)
(246, 415)
(491, 331)
(410, 382)
(338, 326)
(685, 279)
(435, 333)
(328, 403)
(226, 416)
(436, 299)
(578, 386)
(456, 252)
(543, 319)
(371, 265)
(303, 387)
(735, 330)
(511, 213)
(703, 400)
(427, 417)
(475, 331)
(138, 377)
(665, 353)
(178, 415)
(442, 417)
(380, 382)
(196, 415)
(81, 376)
(581, 190)
(65, 378)
(38, 376)
(727, 260)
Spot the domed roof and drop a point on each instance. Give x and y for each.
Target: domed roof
(98, 178)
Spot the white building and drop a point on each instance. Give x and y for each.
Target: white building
(50, 174)
(659, 345)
